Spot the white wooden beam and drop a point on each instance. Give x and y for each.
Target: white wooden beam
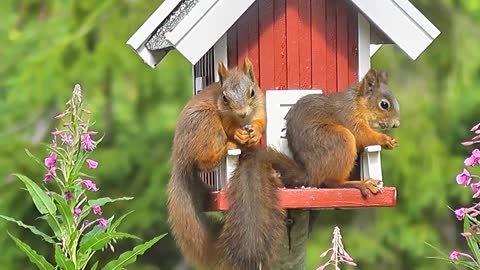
(363, 46)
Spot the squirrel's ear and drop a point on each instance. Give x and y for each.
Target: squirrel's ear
(248, 69)
(368, 83)
(383, 77)
(222, 72)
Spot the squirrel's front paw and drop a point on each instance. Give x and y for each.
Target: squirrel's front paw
(241, 136)
(390, 143)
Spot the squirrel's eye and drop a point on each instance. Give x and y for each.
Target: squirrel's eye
(252, 93)
(384, 104)
(224, 98)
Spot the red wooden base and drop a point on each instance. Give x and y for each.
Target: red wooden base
(318, 198)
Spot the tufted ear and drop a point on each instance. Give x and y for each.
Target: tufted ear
(248, 69)
(222, 72)
(383, 77)
(368, 83)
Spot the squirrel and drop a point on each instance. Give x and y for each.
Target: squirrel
(325, 132)
(225, 115)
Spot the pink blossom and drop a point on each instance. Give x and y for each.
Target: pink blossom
(68, 123)
(454, 255)
(460, 213)
(91, 132)
(61, 115)
(67, 139)
(102, 222)
(57, 132)
(48, 177)
(464, 178)
(54, 142)
(475, 127)
(470, 161)
(466, 234)
(50, 160)
(92, 164)
(87, 143)
(76, 212)
(475, 187)
(68, 195)
(476, 154)
(97, 210)
(90, 185)
(468, 143)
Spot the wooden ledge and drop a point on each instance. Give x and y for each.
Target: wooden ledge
(318, 198)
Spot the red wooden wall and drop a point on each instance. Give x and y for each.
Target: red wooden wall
(298, 44)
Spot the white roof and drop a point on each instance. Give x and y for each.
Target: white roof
(200, 29)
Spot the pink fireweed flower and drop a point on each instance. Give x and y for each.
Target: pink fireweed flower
(76, 212)
(476, 154)
(475, 187)
(87, 143)
(50, 160)
(454, 255)
(460, 213)
(466, 234)
(102, 222)
(474, 128)
(91, 132)
(67, 139)
(468, 143)
(54, 142)
(470, 161)
(68, 195)
(92, 164)
(61, 115)
(57, 132)
(48, 177)
(90, 185)
(67, 124)
(97, 210)
(464, 178)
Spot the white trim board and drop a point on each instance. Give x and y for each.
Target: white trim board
(363, 46)
(401, 22)
(204, 25)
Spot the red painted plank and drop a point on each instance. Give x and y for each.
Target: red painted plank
(293, 57)
(331, 36)
(305, 44)
(318, 198)
(342, 46)
(253, 51)
(280, 49)
(352, 45)
(242, 37)
(319, 45)
(232, 46)
(266, 40)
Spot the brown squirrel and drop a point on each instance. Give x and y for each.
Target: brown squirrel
(225, 115)
(325, 132)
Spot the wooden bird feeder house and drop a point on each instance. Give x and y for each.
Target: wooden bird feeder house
(297, 47)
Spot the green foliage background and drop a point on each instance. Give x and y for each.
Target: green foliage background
(48, 46)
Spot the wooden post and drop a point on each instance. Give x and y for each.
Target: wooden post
(294, 259)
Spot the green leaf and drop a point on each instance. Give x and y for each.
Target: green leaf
(65, 211)
(94, 266)
(472, 244)
(34, 257)
(59, 151)
(117, 222)
(105, 200)
(53, 223)
(62, 262)
(35, 158)
(98, 241)
(43, 203)
(33, 229)
(130, 257)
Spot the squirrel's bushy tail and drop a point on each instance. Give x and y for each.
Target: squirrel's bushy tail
(190, 226)
(254, 224)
